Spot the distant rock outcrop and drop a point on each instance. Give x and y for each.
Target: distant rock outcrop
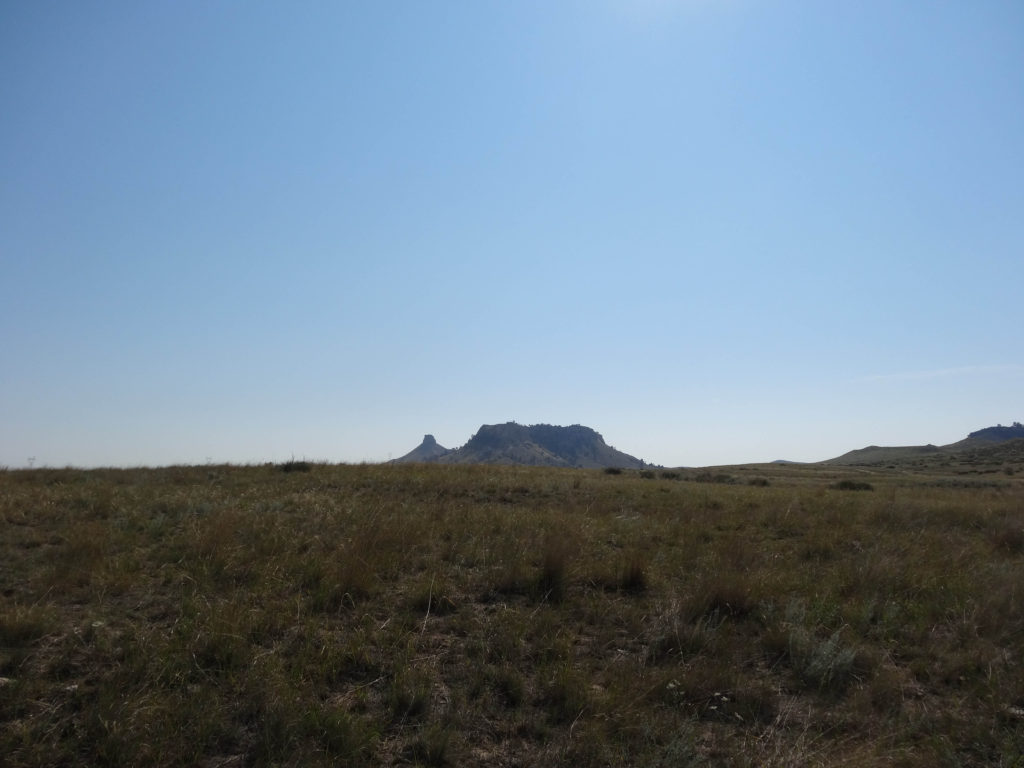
(535, 445)
(998, 433)
(428, 450)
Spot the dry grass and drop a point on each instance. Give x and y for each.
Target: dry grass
(438, 615)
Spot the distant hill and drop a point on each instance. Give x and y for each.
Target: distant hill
(983, 438)
(534, 445)
(1007, 451)
(874, 454)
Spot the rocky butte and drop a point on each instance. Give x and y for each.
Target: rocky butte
(534, 445)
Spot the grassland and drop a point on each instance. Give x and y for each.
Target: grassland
(481, 615)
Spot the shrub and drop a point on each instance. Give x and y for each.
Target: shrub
(827, 664)
(852, 485)
(612, 471)
(295, 466)
(714, 477)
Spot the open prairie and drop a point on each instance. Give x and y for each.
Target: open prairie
(777, 615)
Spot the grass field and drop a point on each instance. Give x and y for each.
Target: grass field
(508, 616)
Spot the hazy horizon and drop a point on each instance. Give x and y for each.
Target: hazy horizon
(716, 233)
(32, 462)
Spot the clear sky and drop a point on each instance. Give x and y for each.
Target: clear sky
(714, 231)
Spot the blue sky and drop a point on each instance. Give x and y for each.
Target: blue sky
(716, 232)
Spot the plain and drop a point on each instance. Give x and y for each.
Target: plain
(315, 614)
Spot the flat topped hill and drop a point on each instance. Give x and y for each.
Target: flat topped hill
(990, 437)
(534, 445)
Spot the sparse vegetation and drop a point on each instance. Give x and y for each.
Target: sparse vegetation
(439, 615)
